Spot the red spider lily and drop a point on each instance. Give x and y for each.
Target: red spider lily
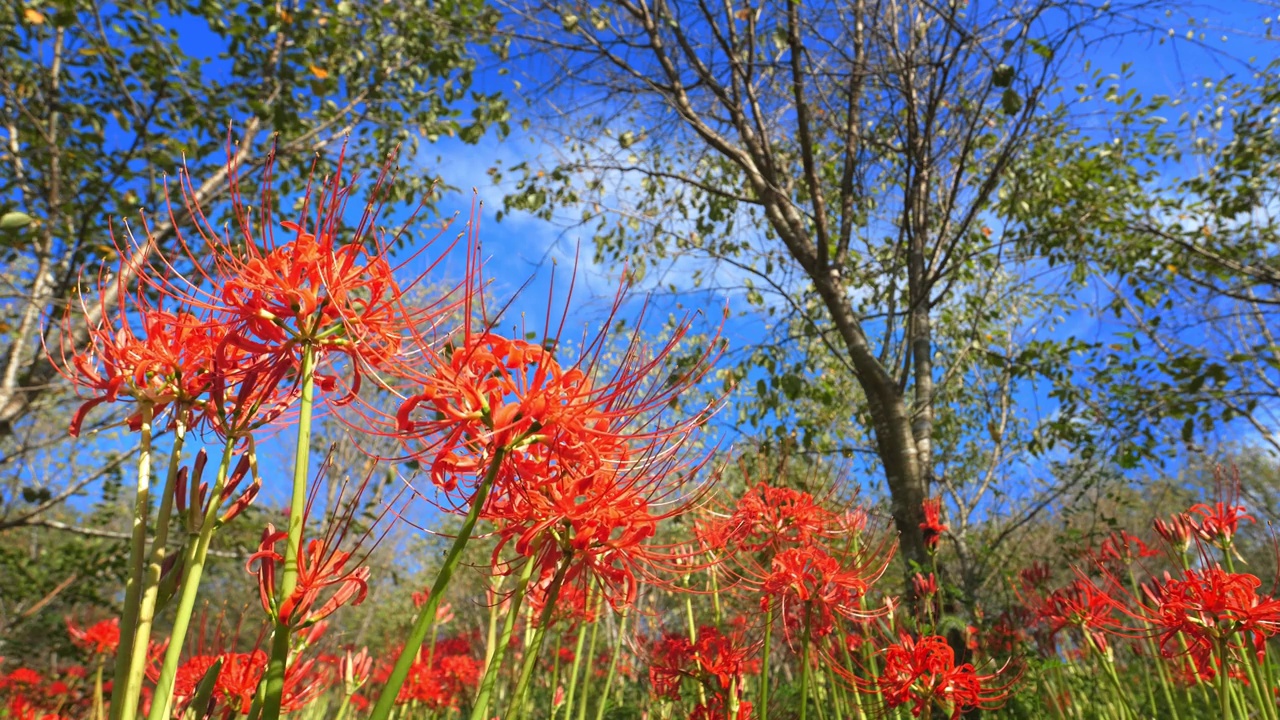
(1207, 606)
(444, 613)
(811, 587)
(932, 527)
(717, 661)
(924, 673)
(769, 517)
(100, 638)
(324, 570)
(354, 669)
(925, 586)
(440, 678)
(1219, 522)
(588, 462)
(1123, 547)
(141, 353)
(326, 288)
(571, 606)
(23, 676)
(486, 393)
(1177, 531)
(1083, 606)
(1035, 577)
(1007, 634)
(237, 682)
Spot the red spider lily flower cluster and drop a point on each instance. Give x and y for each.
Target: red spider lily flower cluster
(1123, 548)
(588, 466)
(442, 677)
(924, 673)
(1177, 532)
(925, 586)
(811, 588)
(62, 693)
(328, 576)
(101, 638)
(236, 682)
(242, 309)
(806, 561)
(1209, 605)
(773, 518)
(932, 527)
(1081, 606)
(716, 661)
(1218, 522)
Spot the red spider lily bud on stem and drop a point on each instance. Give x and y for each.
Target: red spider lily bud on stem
(355, 670)
(1177, 531)
(926, 586)
(933, 527)
(190, 481)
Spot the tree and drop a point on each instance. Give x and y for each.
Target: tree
(1170, 221)
(103, 103)
(842, 158)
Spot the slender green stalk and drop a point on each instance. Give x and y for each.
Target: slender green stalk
(99, 710)
(162, 698)
(1267, 709)
(133, 584)
(151, 579)
(480, 708)
(273, 681)
(345, 707)
(491, 637)
(804, 667)
(764, 661)
(1224, 683)
(693, 636)
(573, 673)
(516, 708)
(613, 664)
(427, 615)
(586, 674)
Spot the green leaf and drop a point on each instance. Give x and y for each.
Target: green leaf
(1010, 101)
(15, 220)
(204, 691)
(1002, 76)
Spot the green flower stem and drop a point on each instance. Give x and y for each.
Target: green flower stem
(1267, 709)
(1224, 684)
(162, 699)
(613, 664)
(427, 616)
(693, 635)
(804, 667)
(273, 681)
(586, 674)
(573, 673)
(99, 710)
(516, 708)
(764, 661)
(151, 580)
(480, 709)
(120, 690)
(491, 636)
